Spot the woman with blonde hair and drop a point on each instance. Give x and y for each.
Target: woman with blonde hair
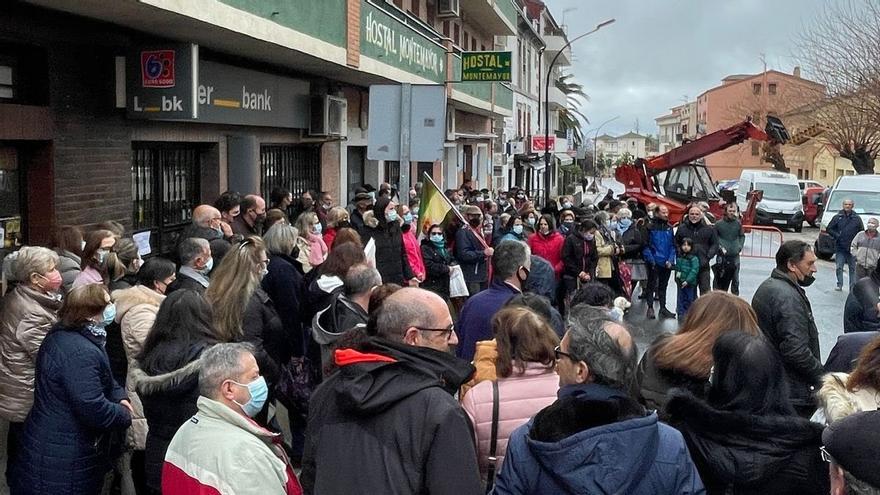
(337, 218)
(243, 311)
(312, 250)
(526, 380)
(684, 360)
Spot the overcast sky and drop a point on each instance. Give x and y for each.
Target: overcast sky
(658, 51)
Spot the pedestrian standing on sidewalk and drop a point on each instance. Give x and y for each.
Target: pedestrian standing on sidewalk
(786, 319)
(705, 242)
(865, 249)
(843, 228)
(687, 268)
(730, 243)
(659, 255)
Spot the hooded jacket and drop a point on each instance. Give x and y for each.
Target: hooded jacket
(136, 310)
(391, 259)
(705, 239)
(391, 406)
(596, 440)
(168, 389)
(860, 310)
(786, 319)
(743, 453)
(25, 320)
(549, 247)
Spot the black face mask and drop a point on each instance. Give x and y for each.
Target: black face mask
(522, 280)
(344, 224)
(475, 222)
(807, 280)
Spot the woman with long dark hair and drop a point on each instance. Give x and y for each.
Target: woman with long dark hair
(99, 245)
(745, 437)
(168, 376)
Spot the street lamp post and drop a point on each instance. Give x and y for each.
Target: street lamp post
(547, 174)
(595, 140)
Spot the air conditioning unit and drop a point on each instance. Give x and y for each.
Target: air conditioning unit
(448, 8)
(450, 124)
(328, 116)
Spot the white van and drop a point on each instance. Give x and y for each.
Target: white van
(864, 190)
(781, 205)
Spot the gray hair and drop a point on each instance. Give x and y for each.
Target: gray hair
(588, 341)
(601, 217)
(280, 239)
(220, 363)
(508, 257)
(32, 259)
(396, 316)
(624, 213)
(190, 248)
(361, 278)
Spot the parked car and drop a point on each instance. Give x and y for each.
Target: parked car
(864, 190)
(804, 184)
(814, 201)
(781, 205)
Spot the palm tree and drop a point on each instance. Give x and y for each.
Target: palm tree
(570, 118)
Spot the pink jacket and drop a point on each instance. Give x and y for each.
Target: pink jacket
(414, 254)
(319, 250)
(519, 398)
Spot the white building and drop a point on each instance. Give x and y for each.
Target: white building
(615, 147)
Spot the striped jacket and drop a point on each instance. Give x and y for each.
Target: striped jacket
(219, 451)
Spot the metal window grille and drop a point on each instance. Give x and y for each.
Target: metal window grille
(165, 189)
(392, 173)
(297, 168)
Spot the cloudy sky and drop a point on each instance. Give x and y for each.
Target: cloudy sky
(660, 51)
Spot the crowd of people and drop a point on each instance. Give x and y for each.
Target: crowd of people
(299, 346)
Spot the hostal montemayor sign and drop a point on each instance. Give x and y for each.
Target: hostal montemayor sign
(485, 66)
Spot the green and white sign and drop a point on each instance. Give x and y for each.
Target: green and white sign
(485, 66)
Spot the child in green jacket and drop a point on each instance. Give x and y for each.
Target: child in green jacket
(687, 266)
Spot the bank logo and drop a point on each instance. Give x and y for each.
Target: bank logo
(157, 69)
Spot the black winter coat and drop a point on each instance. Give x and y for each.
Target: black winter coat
(743, 453)
(654, 383)
(184, 282)
(436, 269)
(469, 253)
(391, 260)
(578, 255)
(786, 319)
(860, 311)
(262, 327)
(634, 240)
(845, 353)
(285, 287)
(169, 389)
(76, 411)
(843, 228)
(402, 429)
(705, 239)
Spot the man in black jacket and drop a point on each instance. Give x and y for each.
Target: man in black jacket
(786, 319)
(705, 239)
(862, 310)
(387, 421)
(843, 228)
(195, 265)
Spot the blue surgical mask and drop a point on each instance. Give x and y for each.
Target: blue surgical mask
(624, 223)
(531, 221)
(208, 266)
(391, 216)
(318, 228)
(108, 315)
(517, 229)
(408, 218)
(566, 205)
(258, 391)
(437, 238)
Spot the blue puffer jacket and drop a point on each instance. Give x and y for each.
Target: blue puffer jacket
(596, 440)
(661, 243)
(844, 228)
(76, 409)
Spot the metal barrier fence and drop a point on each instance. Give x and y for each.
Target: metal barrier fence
(761, 241)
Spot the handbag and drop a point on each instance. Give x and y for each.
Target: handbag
(493, 440)
(457, 285)
(295, 385)
(625, 273)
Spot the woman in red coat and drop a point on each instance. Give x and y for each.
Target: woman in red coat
(547, 243)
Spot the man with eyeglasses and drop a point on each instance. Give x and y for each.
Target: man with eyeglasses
(386, 421)
(596, 438)
(851, 449)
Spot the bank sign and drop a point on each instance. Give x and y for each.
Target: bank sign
(171, 83)
(485, 66)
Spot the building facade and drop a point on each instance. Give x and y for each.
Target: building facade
(253, 96)
(612, 147)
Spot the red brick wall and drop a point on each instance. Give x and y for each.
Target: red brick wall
(353, 20)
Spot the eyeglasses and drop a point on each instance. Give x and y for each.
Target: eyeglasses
(825, 455)
(448, 330)
(559, 352)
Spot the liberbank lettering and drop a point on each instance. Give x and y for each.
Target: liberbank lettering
(401, 49)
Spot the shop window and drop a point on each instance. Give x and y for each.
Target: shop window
(11, 201)
(294, 167)
(165, 188)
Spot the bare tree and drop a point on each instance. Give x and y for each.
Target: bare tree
(841, 50)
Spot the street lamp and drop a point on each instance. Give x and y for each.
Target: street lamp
(595, 139)
(547, 174)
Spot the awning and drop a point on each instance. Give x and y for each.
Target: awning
(564, 159)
